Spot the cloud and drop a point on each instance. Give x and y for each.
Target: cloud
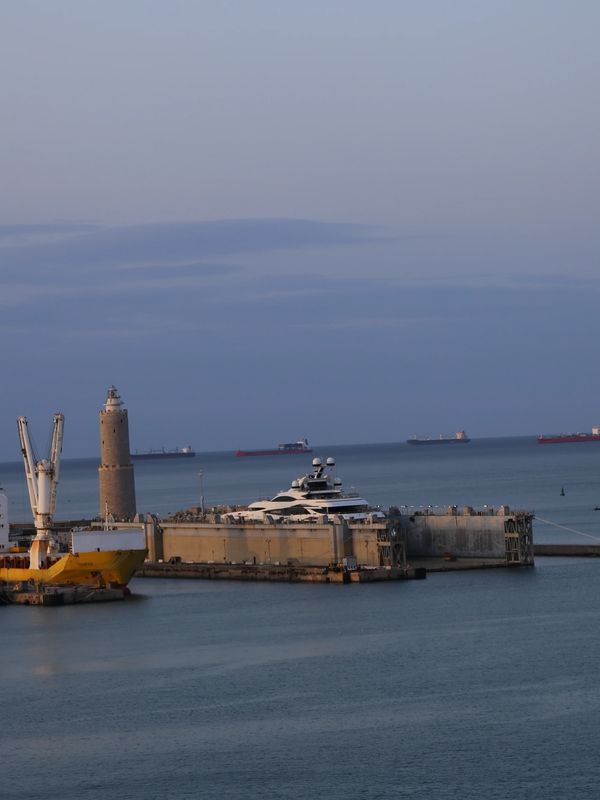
(171, 243)
(546, 282)
(30, 234)
(368, 323)
(159, 264)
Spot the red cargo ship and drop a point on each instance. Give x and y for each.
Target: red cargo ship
(560, 438)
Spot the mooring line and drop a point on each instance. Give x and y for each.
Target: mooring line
(564, 527)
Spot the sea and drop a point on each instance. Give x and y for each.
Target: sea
(480, 684)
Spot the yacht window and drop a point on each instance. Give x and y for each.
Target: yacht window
(285, 512)
(348, 510)
(281, 497)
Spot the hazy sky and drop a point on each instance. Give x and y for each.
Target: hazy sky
(263, 220)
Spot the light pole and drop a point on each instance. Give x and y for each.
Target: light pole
(201, 481)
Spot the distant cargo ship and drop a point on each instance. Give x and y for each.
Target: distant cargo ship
(183, 452)
(288, 449)
(561, 438)
(460, 437)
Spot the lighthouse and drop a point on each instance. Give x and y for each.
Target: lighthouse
(117, 485)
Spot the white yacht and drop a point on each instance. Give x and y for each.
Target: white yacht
(313, 497)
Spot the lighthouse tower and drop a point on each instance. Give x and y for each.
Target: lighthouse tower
(117, 486)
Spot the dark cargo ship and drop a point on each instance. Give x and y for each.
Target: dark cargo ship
(183, 452)
(288, 449)
(460, 437)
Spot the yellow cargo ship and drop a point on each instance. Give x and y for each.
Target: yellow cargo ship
(96, 568)
(94, 558)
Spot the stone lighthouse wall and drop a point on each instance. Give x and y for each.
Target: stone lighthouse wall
(117, 486)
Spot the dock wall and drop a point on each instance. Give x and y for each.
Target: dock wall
(464, 533)
(305, 545)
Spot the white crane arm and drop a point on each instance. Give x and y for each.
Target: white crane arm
(29, 461)
(55, 451)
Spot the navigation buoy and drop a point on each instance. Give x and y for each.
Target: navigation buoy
(562, 491)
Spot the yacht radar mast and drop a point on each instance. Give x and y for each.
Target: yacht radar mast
(42, 483)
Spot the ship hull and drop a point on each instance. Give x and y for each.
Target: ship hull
(437, 441)
(290, 452)
(157, 456)
(569, 438)
(111, 566)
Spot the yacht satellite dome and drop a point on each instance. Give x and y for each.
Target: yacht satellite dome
(295, 484)
(331, 462)
(316, 462)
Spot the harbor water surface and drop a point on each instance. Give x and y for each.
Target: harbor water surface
(466, 685)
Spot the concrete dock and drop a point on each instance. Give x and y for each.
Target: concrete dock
(573, 550)
(286, 573)
(499, 535)
(30, 594)
(460, 564)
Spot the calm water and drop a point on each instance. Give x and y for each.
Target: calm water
(472, 685)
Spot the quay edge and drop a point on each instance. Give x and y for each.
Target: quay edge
(277, 573)
(30, 594)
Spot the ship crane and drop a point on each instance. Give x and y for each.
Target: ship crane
(42, 483)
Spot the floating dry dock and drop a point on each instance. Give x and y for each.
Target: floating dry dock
(403, 546)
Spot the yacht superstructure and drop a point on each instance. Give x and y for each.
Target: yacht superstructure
(313, 497)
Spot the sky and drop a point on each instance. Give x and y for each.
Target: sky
(260, 221)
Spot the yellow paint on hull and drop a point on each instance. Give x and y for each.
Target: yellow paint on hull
(111, 566)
